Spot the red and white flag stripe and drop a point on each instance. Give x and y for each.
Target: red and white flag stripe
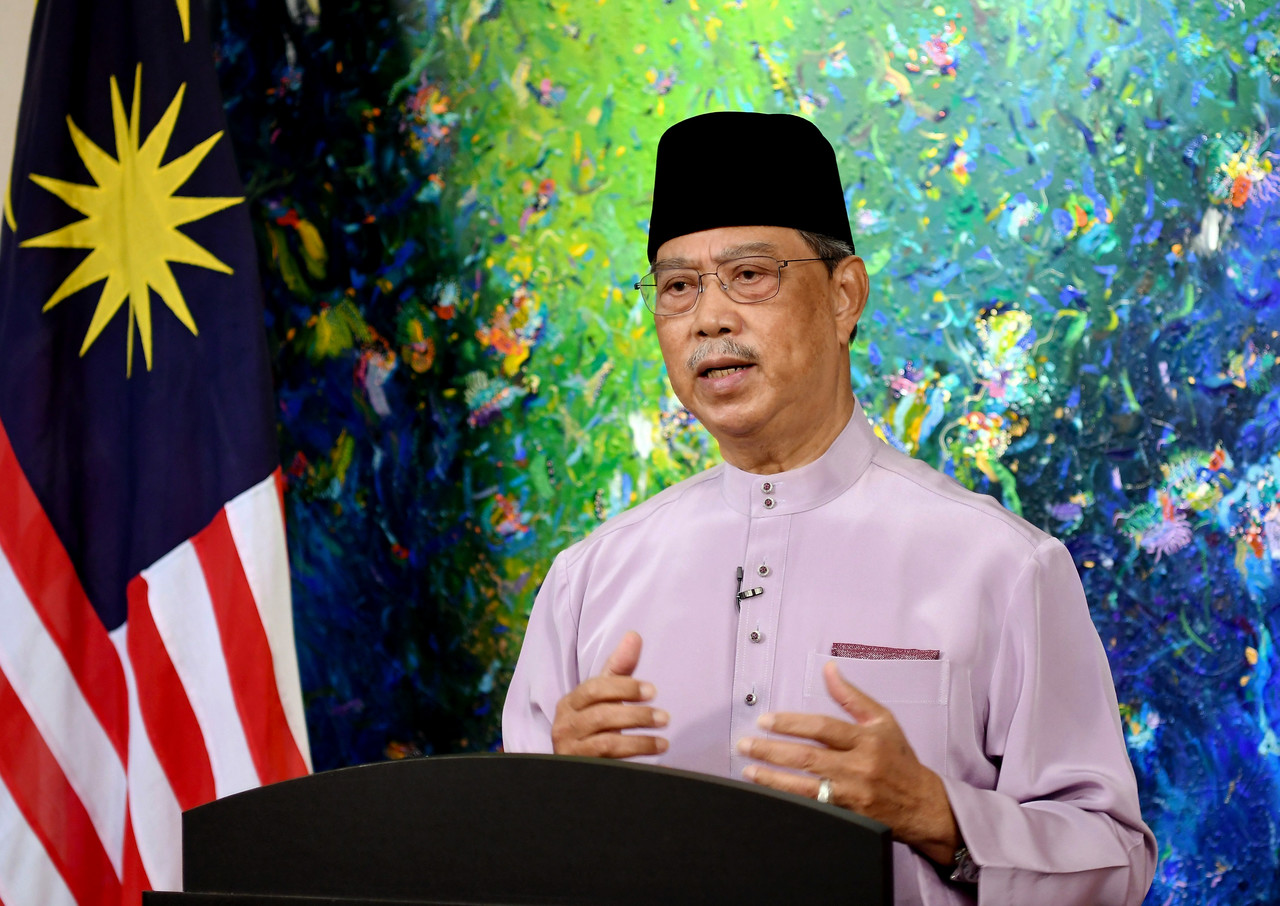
(106, 737)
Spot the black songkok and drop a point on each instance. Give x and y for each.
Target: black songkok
(746, 169)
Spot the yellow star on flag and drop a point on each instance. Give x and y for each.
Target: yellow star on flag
(131, 221)
(184, 13)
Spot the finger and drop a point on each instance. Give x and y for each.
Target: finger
(608, 718)
(797, 755)
(856, 703)
(625, 657)
(615, 745)
(605, 688)
(837, 734)
(800, 784)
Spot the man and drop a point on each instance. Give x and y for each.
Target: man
(821, 614)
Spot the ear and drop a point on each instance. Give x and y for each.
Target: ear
(849, 288)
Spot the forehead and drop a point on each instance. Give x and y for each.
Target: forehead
(713, 246)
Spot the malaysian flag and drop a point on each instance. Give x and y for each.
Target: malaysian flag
(147, 661)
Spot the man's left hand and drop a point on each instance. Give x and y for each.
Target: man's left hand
(869, 763)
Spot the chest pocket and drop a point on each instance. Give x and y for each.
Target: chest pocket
(916, 691)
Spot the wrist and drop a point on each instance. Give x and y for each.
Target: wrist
(942, 853)
(941, 837)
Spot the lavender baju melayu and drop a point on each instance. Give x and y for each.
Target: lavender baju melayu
(968, 623)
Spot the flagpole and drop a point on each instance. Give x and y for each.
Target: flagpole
(15, 35)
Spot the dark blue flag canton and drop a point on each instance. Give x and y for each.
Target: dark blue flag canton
(134, 379)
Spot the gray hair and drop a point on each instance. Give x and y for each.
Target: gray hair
(833, 250)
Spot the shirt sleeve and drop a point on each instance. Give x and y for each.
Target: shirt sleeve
(546, 670)
(1063, 824)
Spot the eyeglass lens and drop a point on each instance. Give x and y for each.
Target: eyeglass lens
(669, 291)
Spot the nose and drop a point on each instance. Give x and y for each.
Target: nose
(716, 314)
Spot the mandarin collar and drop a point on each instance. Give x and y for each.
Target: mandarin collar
(811, 485)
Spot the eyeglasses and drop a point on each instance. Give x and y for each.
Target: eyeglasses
(675, 290)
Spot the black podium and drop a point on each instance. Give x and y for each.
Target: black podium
(525, 829)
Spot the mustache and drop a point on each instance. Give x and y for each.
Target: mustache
(724, 346)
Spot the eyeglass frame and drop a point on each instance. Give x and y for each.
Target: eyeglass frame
(781, 262)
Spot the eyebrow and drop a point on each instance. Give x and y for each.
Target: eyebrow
(742, 250)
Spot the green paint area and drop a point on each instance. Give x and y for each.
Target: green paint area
(1068, 211)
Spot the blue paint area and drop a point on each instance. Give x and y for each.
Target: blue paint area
(1071, 217)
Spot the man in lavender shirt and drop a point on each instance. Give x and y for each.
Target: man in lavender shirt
(820, 613)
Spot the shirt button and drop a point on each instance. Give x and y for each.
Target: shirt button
(755, 637)
(768, 503)
(767, 487)
(762, 570)
(751, 698)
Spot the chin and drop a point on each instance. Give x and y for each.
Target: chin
(723, 429)
(727, 419)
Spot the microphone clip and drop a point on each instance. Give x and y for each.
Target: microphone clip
(743, 595)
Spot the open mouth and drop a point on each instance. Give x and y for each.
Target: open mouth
(726, 370)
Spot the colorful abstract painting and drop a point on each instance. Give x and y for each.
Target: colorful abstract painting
(1071, 215)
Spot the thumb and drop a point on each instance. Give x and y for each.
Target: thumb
(856, 703)
(625, 657)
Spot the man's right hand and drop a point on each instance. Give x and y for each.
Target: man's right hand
(591, 718)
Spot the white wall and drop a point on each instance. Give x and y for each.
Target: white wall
(15, 29)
